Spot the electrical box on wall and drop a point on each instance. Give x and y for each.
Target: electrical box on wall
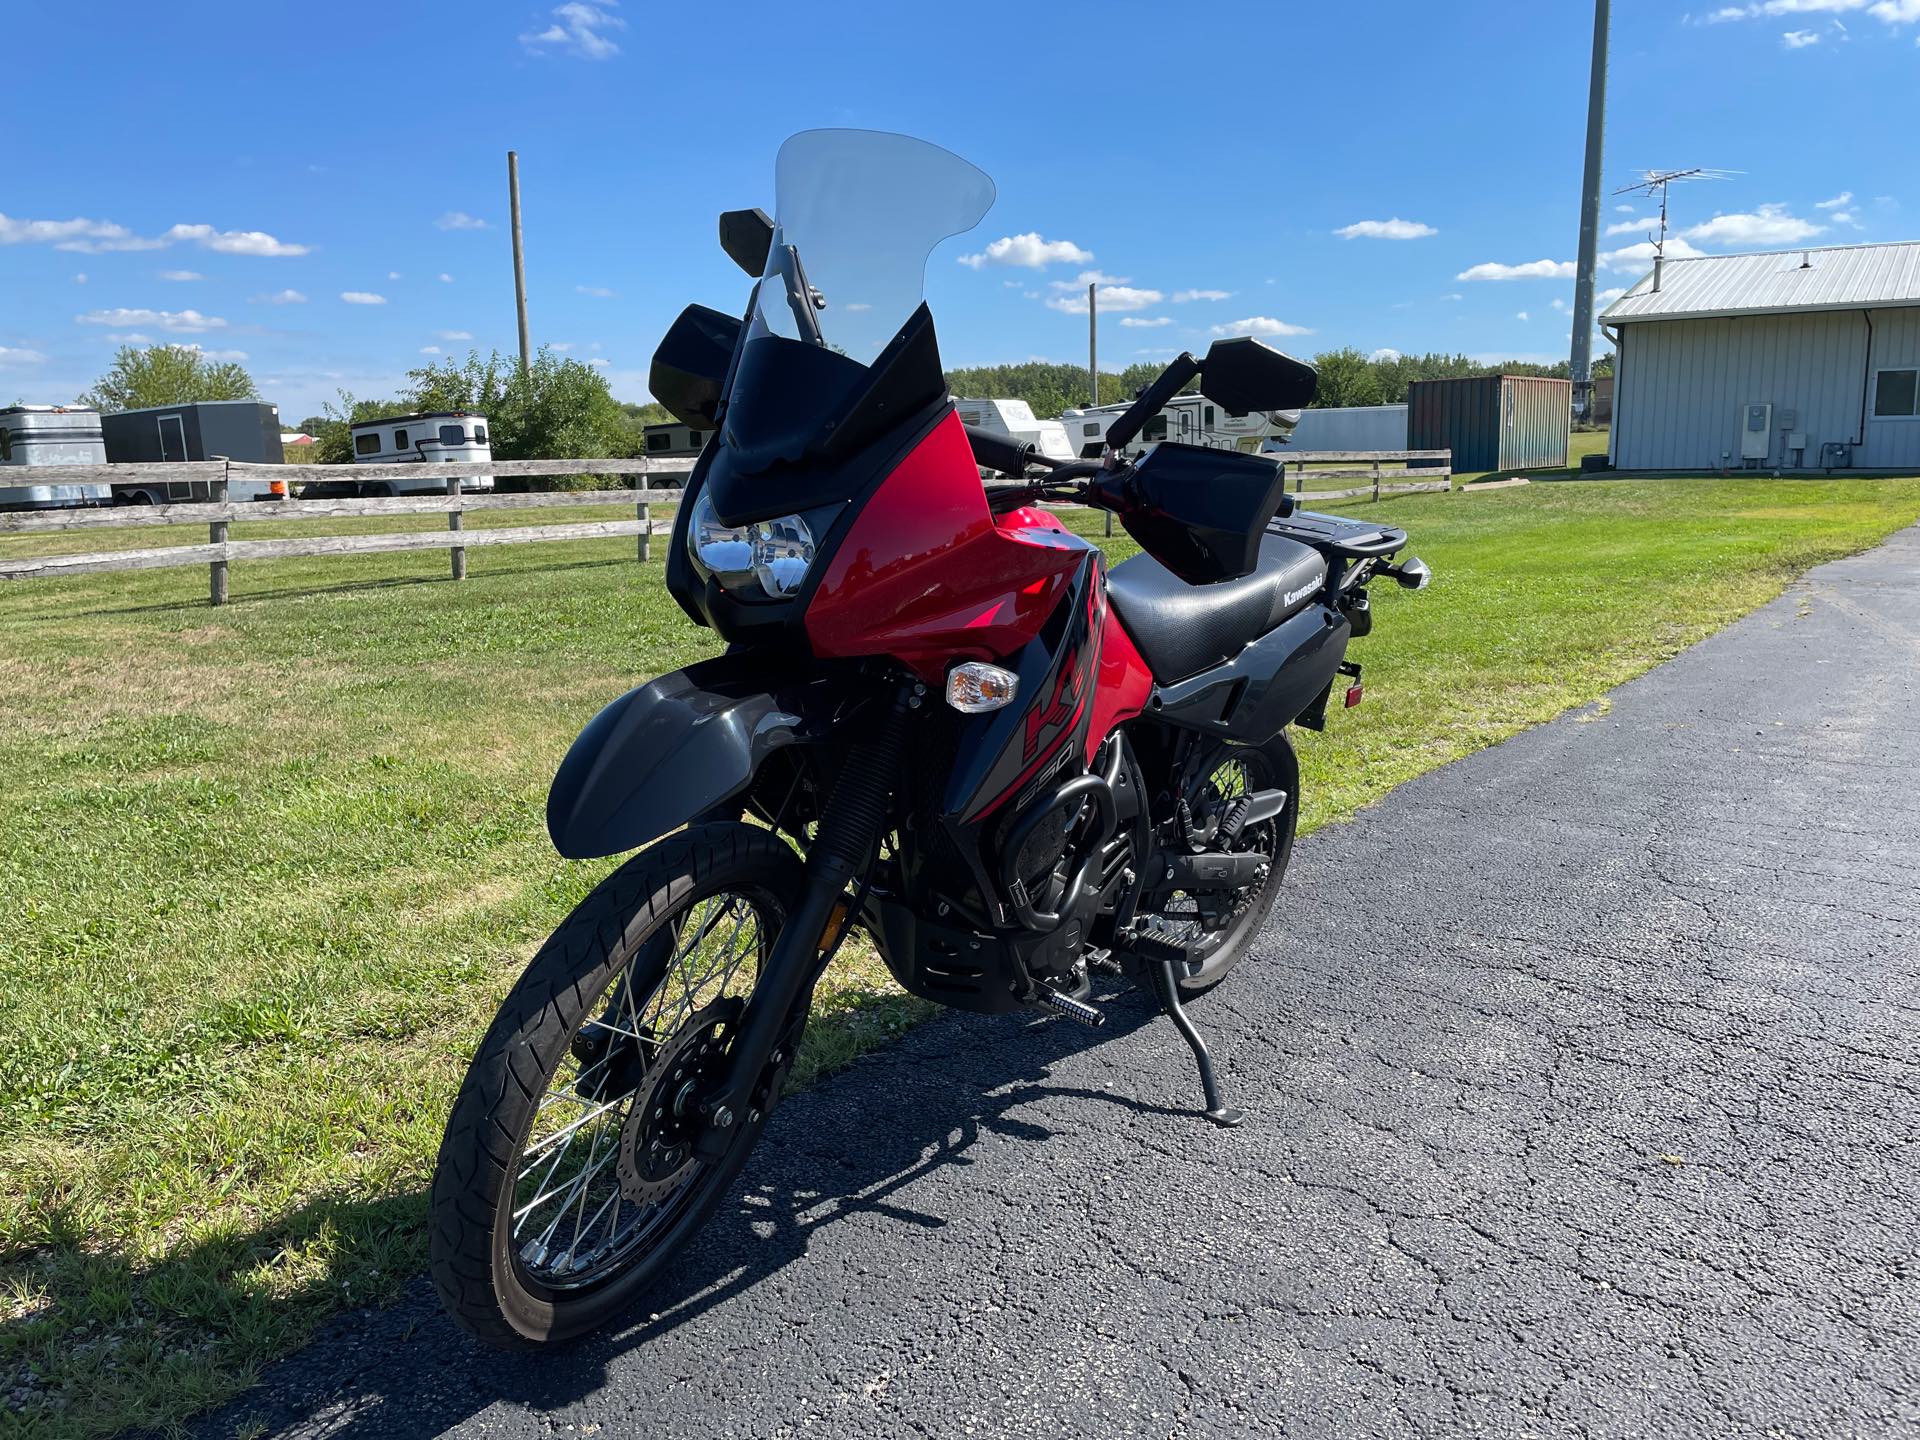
(1756, 431)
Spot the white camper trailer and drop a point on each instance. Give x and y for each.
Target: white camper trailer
(1015, 420)
(50, 435)
(1190, 419)
(438, 437)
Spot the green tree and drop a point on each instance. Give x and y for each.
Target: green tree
(1346, 378)
(167, 375)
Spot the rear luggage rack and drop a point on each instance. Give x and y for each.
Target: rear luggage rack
(1337, 535)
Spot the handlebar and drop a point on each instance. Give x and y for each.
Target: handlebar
(997, 452)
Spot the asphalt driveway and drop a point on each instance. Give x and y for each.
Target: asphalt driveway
(1584, 1088)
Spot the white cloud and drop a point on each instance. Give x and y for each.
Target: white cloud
(133, 337)
(1112, 297)
(577, 29)
(429, 349)
(1847, 218)
(1559, 304)
(1099, 277)
(1181, 297)
(1608, 296)
(1639, 257)
(445, 279)
(232, 242)
(453, 334)
(1261, 325)
(1453, 295)
(96, 236)
(1891, 12)
(1799, 39)
(460, 220)
(1838, 202)
(1623, 209)
(856, 307)
(181, 275)
(1764, 225)
(393, 274)
(1385, 352)
(281, 297)
(1529, 270)
(560, 347)
(599, 360)
(80, 278)
(599, 292)
(1394, 229)
(1143, 322)
(214, 354)
(1634, 226)
(10, 355)
(1031, 250)
(185, 322)
(362, 297)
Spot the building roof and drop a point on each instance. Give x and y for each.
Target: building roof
(1837, 277)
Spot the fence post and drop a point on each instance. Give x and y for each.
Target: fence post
(217, 534)
(457, 520)
(1299, 476)
(643, 512)
(1376, 479)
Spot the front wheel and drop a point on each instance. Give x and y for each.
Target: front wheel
(567, 1179)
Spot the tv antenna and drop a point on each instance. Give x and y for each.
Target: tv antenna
(1652, 182)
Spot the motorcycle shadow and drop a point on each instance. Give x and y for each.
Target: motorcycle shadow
(849, 1146)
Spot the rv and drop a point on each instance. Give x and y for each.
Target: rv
(245, 430)
(50, 435)
(670, 440)
(1014, 419)
(437, 437)
(1191, 419)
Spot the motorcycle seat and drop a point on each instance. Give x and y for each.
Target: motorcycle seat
(1182, 629)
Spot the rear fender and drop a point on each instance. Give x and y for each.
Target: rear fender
(674, 748)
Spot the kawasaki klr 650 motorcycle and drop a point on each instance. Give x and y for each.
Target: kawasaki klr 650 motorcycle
(939, 719)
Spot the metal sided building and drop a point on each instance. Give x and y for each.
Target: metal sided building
(1798, 359)
(1492, 422)
(1349, 427)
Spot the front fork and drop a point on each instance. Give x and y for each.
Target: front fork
(845, 842)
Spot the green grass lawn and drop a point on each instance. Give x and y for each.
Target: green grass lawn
(266, 870)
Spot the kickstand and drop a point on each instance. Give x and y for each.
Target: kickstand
(1170, 1002)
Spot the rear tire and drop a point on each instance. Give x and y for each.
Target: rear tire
(626, 938)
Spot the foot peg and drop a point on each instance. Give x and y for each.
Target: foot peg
(1090, 1016)
(1164, 982)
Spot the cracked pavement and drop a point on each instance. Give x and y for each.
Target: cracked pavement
(1583, 1086)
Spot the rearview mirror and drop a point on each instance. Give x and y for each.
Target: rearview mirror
(690, 367)
(746, 236)
(1243, 375)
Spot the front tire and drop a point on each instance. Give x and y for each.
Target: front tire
(537, 1235)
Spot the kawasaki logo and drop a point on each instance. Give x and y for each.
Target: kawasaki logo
(1292, 595)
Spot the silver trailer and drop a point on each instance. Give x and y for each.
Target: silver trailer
(1349, 427)
(424, 438)
(50, 435)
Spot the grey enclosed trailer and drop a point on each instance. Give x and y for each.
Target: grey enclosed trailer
(1348, 427)
(1492, 422)
(241, 430)
(33, 435)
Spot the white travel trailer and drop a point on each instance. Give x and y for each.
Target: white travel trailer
(1015, 420)
(50, 435)
(1190, 419)
(438, 437)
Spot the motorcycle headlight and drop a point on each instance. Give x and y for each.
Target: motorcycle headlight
(770, 555)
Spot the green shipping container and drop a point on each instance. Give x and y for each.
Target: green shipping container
(1492, 422)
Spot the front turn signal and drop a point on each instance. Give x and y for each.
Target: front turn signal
(976, 687)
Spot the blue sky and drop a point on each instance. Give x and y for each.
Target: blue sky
(323, 190)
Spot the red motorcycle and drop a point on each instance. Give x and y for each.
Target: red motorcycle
(939, 719)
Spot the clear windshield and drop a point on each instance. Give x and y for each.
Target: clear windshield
(856, 214)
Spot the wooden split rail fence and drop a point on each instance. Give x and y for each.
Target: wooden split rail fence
(1435, 472)
(218, 513)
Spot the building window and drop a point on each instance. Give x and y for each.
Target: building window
(1156, 427)
(1209, 417)
(1090, 451)
(452, 435)
(659, 441)
(366, 444)
(696, 439)
(1896, 394)
(399, 439)
(479, 434)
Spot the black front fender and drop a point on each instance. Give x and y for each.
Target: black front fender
(673, 749)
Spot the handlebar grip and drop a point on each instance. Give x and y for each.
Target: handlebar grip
(996, 452)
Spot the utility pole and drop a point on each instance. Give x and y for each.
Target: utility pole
(519, 257)
(1093, 351)
(1580, 363)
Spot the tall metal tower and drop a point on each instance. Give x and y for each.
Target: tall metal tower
(1580, 362)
